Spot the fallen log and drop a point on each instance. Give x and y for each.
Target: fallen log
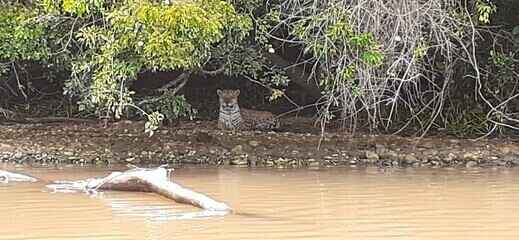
(6, 177)
(143, 180)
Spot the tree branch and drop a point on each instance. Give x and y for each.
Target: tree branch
(181, 78)
(297, 74)
(213, 72)
(180, 82)
(6, 113)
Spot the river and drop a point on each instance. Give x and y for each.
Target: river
(335, 203)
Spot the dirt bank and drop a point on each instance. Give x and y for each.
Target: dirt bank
(202, 143)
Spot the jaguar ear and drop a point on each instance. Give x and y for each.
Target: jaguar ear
(237, 92)
(219, 92)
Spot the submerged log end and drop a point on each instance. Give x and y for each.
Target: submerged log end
(6, 177)
(156, 180)
(220, 206)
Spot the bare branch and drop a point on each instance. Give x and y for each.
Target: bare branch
(414, 36)
(217, 71)
(180, 82)
(182, 77)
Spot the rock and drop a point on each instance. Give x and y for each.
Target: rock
(254, 143)
(511, 158)
(389, 154)
(470, 156)
(505, 150)
(281, 161)
(471, 164)
(380, 149)
(18, 155)
(502, 163)
(238, 149)
(450, 157)
(240, 161)
(313, 164)
(430, 153)
(372, 156)
(410, 159)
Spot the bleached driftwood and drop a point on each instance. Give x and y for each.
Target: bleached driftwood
(6, 177)
(143, 180)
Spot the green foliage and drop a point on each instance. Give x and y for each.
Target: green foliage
(243, 54)
(22, 36)
(420, 51)
(153, 123)
(465, 122)
(143, 34)
(276, 93)
(170, 106)
(277, 81)
(177, 36)
(329, 35)
(264, 25)
(501, 87)
(372, 57)
(348, 73)
(80, 8)
(105, 44)
(485, 8)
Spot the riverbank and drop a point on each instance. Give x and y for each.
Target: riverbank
(202, 143)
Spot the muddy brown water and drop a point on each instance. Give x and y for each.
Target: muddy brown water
(346, 203)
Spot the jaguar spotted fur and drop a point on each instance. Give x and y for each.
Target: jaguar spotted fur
(231, 117)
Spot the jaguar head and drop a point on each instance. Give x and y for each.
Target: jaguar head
(228, 99)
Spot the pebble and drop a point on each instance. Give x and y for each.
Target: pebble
(254, 143)
(471, 164)
(238, 149)
(18, 155)
(380, 149)
(239, 161)
(410, 159)
(313, 164)
(234, 148)
(469, 156)
(372, 156)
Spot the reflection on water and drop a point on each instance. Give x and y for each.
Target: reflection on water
(363, 203)
(157, 213)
